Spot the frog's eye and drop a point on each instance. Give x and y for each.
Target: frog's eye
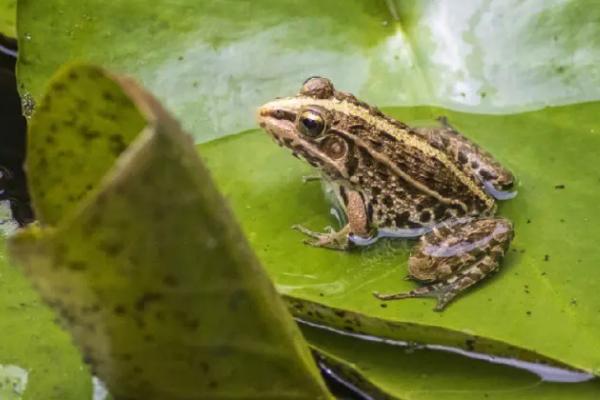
(311, 123)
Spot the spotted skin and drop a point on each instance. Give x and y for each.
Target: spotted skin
(474, 160)
(390, 179)
(455, 256)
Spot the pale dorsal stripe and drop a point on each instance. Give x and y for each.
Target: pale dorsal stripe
(399, 134)
(385, 160)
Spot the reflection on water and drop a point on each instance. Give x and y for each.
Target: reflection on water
(99, 390)
(341, 388)
(546, 373)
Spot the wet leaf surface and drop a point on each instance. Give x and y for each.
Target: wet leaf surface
(410, 373)
(544, 300)
(212, 63)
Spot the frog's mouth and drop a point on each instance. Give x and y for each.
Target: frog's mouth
(280, 123)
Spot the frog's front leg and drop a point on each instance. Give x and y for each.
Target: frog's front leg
(455, 256)
(358, 226)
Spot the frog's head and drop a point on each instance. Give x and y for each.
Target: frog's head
(308, 124)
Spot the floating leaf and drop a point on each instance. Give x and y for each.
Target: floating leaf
(36, 356)
(218, 60)
(144, 262)
(213, 62)
(411, 373)
(542, 304)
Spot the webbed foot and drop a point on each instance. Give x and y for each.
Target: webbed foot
(454, 257)
(444, 292)
(331, 239)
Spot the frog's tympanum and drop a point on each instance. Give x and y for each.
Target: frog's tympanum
(393, 180)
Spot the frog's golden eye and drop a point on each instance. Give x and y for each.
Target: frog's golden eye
(311, 123)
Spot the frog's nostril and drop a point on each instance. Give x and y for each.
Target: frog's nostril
(281, 115)
(263, 112)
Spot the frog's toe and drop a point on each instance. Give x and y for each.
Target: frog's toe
(329, 230)
(313, 243)
(306, 231)
(444, 298)
(423, 291)
(392, 296)
(443, 292)
(311, 178)
(329, 239)
(328, 242)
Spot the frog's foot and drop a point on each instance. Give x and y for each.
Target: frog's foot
(444, 291)
(311, 178)
(331, 239)
(453, 257)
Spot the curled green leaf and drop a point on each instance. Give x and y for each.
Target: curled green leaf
(141, 257)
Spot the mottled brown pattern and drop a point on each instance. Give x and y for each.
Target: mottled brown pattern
(391, 179)
(390, 153)
(474, 160)
(449, 249)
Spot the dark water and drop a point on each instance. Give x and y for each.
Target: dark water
(347, 383)
(339, 386)
(13, 128)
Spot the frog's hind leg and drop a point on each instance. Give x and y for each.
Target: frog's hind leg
(454, 257)
(447, 290)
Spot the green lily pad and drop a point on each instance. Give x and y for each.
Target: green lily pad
(410, 373)
(542, 304)
(213, 62)
(37, 359)
(8, 17)
(137, 252)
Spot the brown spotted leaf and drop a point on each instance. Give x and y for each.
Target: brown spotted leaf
(138, 253)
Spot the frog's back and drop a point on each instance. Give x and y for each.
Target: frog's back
(406, 179)
(407, 182)
(471, 158)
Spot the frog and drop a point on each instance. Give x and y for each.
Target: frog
(389, 179)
